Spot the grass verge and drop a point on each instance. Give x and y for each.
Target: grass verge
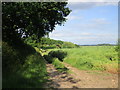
(59, 66)
(25, 68)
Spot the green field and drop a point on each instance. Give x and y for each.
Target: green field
(103, 58)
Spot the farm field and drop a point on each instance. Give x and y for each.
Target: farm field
(101, 58)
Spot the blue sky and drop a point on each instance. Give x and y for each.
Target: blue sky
(89, 23)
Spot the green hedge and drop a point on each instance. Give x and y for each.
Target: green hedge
(22, 67)
(58, 54)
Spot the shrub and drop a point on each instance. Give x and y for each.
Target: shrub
(59, 66)
(48, 58)
(68, 45)
(58, 54)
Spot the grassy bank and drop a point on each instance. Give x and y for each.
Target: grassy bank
(103, 58)
(59, 66)
(23, 67)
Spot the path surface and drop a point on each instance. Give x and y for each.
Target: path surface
(80, 78)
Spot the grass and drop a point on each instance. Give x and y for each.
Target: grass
(59, 66)
(31, 74)
(93, 58)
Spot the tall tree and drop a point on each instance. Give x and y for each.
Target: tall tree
(24, 19)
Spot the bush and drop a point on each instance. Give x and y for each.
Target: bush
(58, 54)
(59, 66)
(68, 45)
(48, 58)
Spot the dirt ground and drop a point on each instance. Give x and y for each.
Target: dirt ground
(80, 78)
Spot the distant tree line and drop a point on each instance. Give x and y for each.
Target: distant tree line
(104, 45)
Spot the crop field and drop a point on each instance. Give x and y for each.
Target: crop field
(102, 58)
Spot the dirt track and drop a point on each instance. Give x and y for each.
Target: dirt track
(80, 78)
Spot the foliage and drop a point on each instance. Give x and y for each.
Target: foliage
(22, 67)
(32, 74)
(59, 66)
(55, 57)
(13, 57)
(93, 58)
(32, 41)
(58, 54)
(47, 43)
(24, 19)
(55, 54)
(21, 62)
(117, 48)
(69, 45)
(10, 58)
(48, 58)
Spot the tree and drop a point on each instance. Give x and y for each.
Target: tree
(25, 19)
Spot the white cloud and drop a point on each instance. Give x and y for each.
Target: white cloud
(86, 34)
(106, 3)
(100, 21)
(94, 24)
(88, 5)
(81, 35)
(71, 17)
(95, 39)
(85, 37)
(79, 5)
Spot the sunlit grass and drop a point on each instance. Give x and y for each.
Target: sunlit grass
(60, 66)
(93, 58)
